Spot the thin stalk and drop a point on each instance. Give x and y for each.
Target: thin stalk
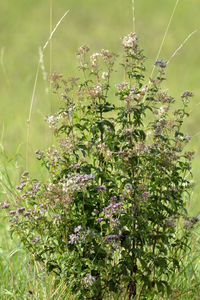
(165, 34)
(133, 12)
(30, 114)
(50, 49)
(3, 66)
(181, 46)
(140, 292)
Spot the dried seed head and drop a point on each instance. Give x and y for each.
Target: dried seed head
(187, 94)
(130, 41)
(82, 50)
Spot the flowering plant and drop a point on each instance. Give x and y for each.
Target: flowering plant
(111, 219)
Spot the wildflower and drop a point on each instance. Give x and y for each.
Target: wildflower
(96, 91)
(118, 204)
(55, 76)
(163, 109)
(111, 237)
(164, 97)
(35, 188)
(130, 41)
(20, 187)
(28, 212)
(113, 199)
(36, 239)
(189, 155)
(107, 56)
(128, 186)
(77, 229)
(74, 238)
(13, 212)
(39, 154)
(104, 75)
(195, 219)
(101, 187)
(99, 219)
(122, 86)
(5, 205)
(161, 63)
(52, 120)
(187, 94)
(20, 210)
(146, 195)
(94, 59)
(120, 152)
(89, 279)
(82, 50)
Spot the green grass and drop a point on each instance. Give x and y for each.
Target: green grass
(24, 27)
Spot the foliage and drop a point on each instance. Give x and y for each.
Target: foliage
(112, 217)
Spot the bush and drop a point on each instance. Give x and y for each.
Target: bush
(111, 219)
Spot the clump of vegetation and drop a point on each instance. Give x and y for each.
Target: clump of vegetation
(111, 219)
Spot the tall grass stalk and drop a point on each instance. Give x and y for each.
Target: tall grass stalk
(30, 114)
(181, 46)
(133, 10)
(36, 79)
(3, 66)
(165, 34)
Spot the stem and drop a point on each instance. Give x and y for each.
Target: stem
(132, 286)
(153, 250)
(101, 137)
(140, 292)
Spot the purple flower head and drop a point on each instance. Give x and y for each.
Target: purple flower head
(109, 130)
(20, 210)
(5, 205)
(77, 229)
(20, 187)
(35, 187)
(120, 152)
(108, 207)
(161, 63)
(28, 212)
(187, 94)
(107, 216)
(99, 220)
(84, 177)
(13, 212)
(117, 205)
(113, 199)
(73, 238)
(36, 239)
(101, 187)
(195, 219)
(146, 195)
(111, 237)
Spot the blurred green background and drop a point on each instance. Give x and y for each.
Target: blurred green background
(25, 25)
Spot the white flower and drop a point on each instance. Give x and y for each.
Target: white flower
(130, 40)
(104, 75)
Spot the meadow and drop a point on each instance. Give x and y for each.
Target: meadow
(26, 26)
